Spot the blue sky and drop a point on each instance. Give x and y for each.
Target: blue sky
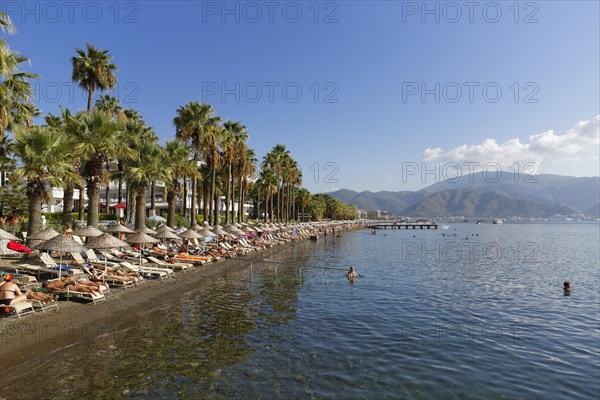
(361, 93)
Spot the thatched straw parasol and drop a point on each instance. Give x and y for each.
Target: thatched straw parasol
(119, 228)
(61, 243)
(142, 239)
(105, 241)
(46, 234)
(88, 231)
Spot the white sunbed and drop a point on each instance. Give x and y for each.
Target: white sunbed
(22, 308)
(176, 266)
(160, 272)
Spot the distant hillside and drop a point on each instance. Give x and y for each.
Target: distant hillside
(474, 195)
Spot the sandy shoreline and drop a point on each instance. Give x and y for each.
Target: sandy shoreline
(39, 336)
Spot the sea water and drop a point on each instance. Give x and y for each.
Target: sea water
(472, 311)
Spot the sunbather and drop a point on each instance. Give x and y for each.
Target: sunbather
(9, 292)
(71, 280)
(62, 286)
(43, 297)
(114, 275)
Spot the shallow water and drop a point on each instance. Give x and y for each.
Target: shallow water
(474, 311)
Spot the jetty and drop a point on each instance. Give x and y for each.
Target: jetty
(404, 225)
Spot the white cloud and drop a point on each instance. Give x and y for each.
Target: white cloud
(585, 135)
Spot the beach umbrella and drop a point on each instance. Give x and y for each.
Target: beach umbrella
(248, 229)
(180, 229)
(88, 231)
(164, 228)
(206, 233)
(46, 234)
(105, 241)
(146, 230)
(232, 229)
(196, 227)
(142, 239)
(119, 228)
(190, 234)
(166, 234)
(62, 244)
(7, 235)
(218, 230)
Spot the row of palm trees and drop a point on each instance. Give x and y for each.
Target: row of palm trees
(88, 149)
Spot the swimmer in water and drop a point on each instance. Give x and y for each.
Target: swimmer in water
(567, 288)
(352, 274)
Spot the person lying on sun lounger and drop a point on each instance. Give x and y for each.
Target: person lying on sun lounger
(43, 297)
(71, 280)
(60, 286)
(114, 274)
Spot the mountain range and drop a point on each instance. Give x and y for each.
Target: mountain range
(476, 195)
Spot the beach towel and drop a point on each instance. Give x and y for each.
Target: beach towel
(18, 247)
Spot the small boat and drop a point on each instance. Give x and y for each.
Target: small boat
(314, 237)
(497, 221)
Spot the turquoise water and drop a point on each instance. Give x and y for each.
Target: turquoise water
(473, 311)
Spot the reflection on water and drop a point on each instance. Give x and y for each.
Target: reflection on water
(477, 315)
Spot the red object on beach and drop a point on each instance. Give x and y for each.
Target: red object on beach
(18, 247)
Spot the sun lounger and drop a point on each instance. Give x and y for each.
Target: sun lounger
(53, 267)
(160, 273)
(93, 258)
(22, 308)
(176, 265)
(183, 257)
(111, 281)
(95, 298)
(45, 306)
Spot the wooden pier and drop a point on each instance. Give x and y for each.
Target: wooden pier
(404, 225)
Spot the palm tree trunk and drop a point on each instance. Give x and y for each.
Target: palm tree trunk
(278, 200)
(228, 195)
(81, 213)
(89, 103)
(233, 210)
(93, 191)
(205, 204)
(107, 187)
(171, 200)
(67, 217)
(193, 205)
(120, 188)
(240, 211)
(35, 212)
(185, 195)
(271, 215)
(140, 208)
(152, 199)
(214, 201)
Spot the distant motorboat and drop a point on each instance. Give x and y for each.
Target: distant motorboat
(497, 221)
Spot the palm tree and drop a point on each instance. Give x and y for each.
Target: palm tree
(98, 135)
(93, 70)
(58, 123)
(234, 155)
(110, 104)
(196, 124)
(16, 106)
(45, 159)
(268, 183)
(247, 170)
(275, 160)
(178, 163)
(143, 169)
(303, 197)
